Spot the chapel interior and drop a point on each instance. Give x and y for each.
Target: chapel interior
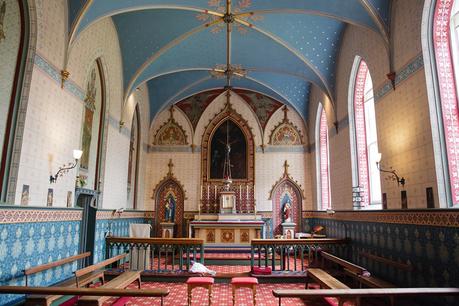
(229, 152)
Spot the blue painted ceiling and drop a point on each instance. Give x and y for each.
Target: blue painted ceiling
(284, 46)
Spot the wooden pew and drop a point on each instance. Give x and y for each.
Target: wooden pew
(85, 291)
(357, 294)
(120, 282)
(326, 281)
(82, 278)
(71, 282)
(357, 270)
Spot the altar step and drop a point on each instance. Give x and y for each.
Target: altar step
(229, 259)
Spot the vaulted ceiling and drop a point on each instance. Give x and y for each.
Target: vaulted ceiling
(278, 47)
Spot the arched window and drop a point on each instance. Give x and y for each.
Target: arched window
(93, 128)
(133, 167)
(363, 135)
(440, 44)
(322, 161)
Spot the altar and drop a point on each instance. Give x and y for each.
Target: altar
(233, 229)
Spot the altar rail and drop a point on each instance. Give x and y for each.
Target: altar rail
(290, 253)
(157, 254)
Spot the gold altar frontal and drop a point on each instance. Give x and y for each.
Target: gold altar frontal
(224, 229)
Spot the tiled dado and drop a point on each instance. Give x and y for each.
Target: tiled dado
(446, 218)
(15, 215)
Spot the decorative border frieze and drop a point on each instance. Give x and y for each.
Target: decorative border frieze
(445, 218)
(405, 72)
(38, 215)
(283, 149)
(55, 74)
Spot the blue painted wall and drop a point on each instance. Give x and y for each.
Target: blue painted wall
(433, 251)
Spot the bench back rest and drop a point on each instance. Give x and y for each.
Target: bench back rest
(345, 264)
(99, 265)
(53, 264)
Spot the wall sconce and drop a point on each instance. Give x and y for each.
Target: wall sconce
(400, 180)
(65, 168)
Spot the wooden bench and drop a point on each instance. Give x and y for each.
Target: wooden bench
(326, 281)
(85, 291)
(119, 282)
(357, 294)
(83, 280)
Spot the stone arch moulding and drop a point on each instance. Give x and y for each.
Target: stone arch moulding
(285, 133)
(227, 113)
(171, 133)
(170, 185)
(286, 186)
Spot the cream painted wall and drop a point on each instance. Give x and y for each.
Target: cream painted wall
(402, 116)
(268, 166)
(54, 115)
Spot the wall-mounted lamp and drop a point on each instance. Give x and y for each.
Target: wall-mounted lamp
(65, 168)
(395, 177)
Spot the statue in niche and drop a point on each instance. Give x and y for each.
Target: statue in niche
(287, 209)
(237, 148)
(169, 209)
(2, 18)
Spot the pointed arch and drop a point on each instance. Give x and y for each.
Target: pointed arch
(443, 96)
(322, 160)
(363, 136)
(169, 187)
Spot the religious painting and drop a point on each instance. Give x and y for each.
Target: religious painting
(194, 106)
(171, 134)
(285, 133)
(228, 141)
(263, 106)
(49, 197)
(90, 106)
(25, 195)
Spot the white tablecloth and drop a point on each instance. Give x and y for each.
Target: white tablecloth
(140, 259)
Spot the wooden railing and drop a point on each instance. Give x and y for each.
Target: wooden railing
(289, 253)
(157, 254)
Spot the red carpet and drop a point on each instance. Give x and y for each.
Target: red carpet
(221, 296)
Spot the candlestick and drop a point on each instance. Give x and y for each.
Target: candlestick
(200, 197)
(215, 192)
(240, 191)
(208, 186)
(247, 192)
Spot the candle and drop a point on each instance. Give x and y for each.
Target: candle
(208, 186)
(215, 192)
(200, 197)
(240, 192)
(247, 192)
